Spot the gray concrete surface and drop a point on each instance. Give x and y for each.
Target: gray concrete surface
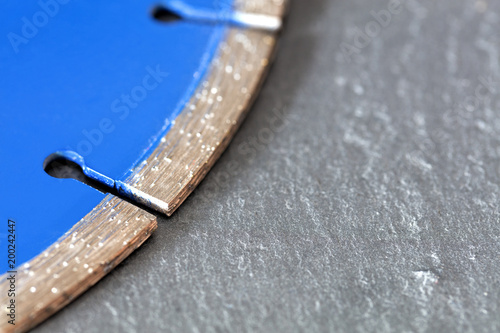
(370, 203)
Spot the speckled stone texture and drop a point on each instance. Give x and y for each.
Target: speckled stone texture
(360, 195)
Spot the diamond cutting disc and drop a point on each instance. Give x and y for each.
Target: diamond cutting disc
(135, 100)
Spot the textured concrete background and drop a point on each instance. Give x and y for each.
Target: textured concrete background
(358, 196)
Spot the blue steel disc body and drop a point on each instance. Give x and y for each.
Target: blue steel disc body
(101, 78)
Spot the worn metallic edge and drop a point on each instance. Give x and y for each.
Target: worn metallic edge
(77, 261)
(203, 130)
(114, 228)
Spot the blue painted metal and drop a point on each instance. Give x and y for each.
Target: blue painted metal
(199, 13)
(104, 183)
(221, 14)
(100, 78)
